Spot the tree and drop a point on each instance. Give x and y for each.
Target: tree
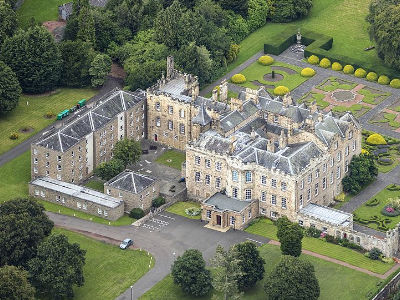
(57, 267)
(128, 151)
(384, 17)
(77, 5)
(10, 89)
(227, 272)
(189, 272)
(289, 10)
(108, 170)
(86, 31)
(128, 13)
(77, 57)
(290, 236)
(23, 226)
(195, 60)
(34, 56)
(257, 14)
(14, 284)
(8, 21)
(292, 279)
(238, 6)
(237, 28)
(99, 69)
(362, 171)
(251, 264)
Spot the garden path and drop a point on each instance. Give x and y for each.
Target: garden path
(342, 263)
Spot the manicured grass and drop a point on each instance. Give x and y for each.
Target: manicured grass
(310, 97)
(96, 184)
(336, 282)
(373, 98)
(32, 115)
(265, 227)
(365, 212)
(339, 204)
(356, 109)
(41, 10)
(256, 71)
(178, 208)
(333, 83)
(388, 118)
(108, 271)
(344, 20)
(14, 178)
(172, 158)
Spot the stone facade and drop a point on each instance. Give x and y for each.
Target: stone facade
(136, 190)
(74, 151)
(77, 198)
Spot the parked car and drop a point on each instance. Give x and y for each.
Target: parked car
(126, 243)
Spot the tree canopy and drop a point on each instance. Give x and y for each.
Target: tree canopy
(289, 10)
(251, 264)
(23, 226)
(14, 284)
(110, 169)
(290, 236)
(10, 89)
(292, 279)
(99, 69)
(189, 272)
(362, 171)
(8, 21)
(58, 267)
(128, 151)
(384, 18)
(34, 57)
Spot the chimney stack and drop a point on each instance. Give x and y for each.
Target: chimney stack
(215, 95)
(232, 145)
(283, 140)
(223, 91)
(253, 133)
(271, 146)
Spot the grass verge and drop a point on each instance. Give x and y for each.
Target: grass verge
(178, 208)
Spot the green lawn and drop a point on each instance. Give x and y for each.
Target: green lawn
(95, 184)
(265, 227)
(41, 10)
(108, 271)
(342, 282)
(172, 158)
(366, 212)
(256, 71)
(179, 209)
(344, 20)
(14, 178)
(339, 204)
(33, 115)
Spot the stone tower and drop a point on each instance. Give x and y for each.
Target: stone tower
(170, 67)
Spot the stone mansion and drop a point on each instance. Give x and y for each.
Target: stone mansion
(246, 156)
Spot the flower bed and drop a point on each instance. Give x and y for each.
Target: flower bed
(192, 211)
(390, 211)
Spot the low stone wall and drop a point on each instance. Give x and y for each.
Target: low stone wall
(387, 291)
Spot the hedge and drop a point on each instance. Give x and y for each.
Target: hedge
(314, 60)
(348, 69)
(266, 60)
(238, 78)
(395, 83)
(384, 80)
(319, 45)
(337, 66)
(372, 76)
(325, 63)
(281, 90)
(307, 72)
(360, 73)
(136, 213)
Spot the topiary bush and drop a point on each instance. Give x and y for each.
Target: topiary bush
(395, 83)
(385, 161)
(14, 136)
(157, 202)
(336, 66)
(307, 72)
(372, 76)
(281, 90)
(348, 69)
(374, 253)
(360, 73)
(384, 80)
(376, 139)
(238, 78)
(325, 63)
(266, 60)
(313, 59)
(136, 213)
(393, 187)
(372, 202)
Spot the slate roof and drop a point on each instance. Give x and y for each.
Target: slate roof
(234, 118)
(297, 113)
(222, 202)
(326, 214)
(95, 118)
(131, 182)
(77, 191)
(202, 117)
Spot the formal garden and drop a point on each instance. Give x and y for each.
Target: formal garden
(382, 211)
(389, 117)
(340, 95)
(272, 75)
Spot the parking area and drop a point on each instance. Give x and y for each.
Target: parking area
(158, 222)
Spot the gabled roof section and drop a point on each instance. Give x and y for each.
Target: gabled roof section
(131, 182)
(236, 117)
(202, 117)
